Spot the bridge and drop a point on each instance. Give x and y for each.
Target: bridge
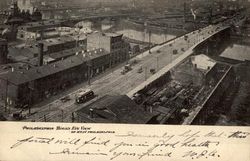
(199, 37)
(73, 21)
(63, 8)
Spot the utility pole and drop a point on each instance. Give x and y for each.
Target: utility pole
(6, 95)
(62, 115)
(73, 117)
(89, 65)
(184, 14)
(30, 96)
(149, 34)
(157, 63)
(89, 74)
(6, 101)
(44, 117)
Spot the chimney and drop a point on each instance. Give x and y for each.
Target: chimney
(40, 54)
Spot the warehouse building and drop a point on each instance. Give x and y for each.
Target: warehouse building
(29, 86)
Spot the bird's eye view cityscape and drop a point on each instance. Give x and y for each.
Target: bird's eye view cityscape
(176, 62)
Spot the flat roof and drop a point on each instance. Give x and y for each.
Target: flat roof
(42, 23)
(237, 52)
(203, 62)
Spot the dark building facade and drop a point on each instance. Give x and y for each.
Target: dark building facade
(3, 51)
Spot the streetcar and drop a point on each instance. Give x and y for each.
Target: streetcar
(84, 96)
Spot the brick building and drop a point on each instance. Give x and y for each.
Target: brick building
(29, 86)
(111, 43)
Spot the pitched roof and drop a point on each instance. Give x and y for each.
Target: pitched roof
(23, 76)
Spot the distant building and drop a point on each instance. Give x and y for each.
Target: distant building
(114, 109)
(17, 16)
(37, 30)
(26, 5)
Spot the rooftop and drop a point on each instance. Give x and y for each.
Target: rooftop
(115, 109)
(237, 52)
(59, 40)
(203, 62)
(23, 76)
(41, 24)
(108, 34)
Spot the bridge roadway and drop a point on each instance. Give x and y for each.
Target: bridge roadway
(114, 82)
(177, 61)
(92, 17)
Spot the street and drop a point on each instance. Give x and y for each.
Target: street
(116, 83)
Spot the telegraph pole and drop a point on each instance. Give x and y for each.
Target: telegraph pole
(157, 63)
(89, 69)
(62, 115)
(149, 34)
(6, 95)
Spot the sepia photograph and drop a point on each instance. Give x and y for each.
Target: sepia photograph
(165, 62)
(138, 80)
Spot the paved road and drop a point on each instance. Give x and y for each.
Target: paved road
(116, 83)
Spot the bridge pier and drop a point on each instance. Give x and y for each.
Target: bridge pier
(214, 44)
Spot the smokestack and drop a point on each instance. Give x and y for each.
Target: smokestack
(40, 54)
